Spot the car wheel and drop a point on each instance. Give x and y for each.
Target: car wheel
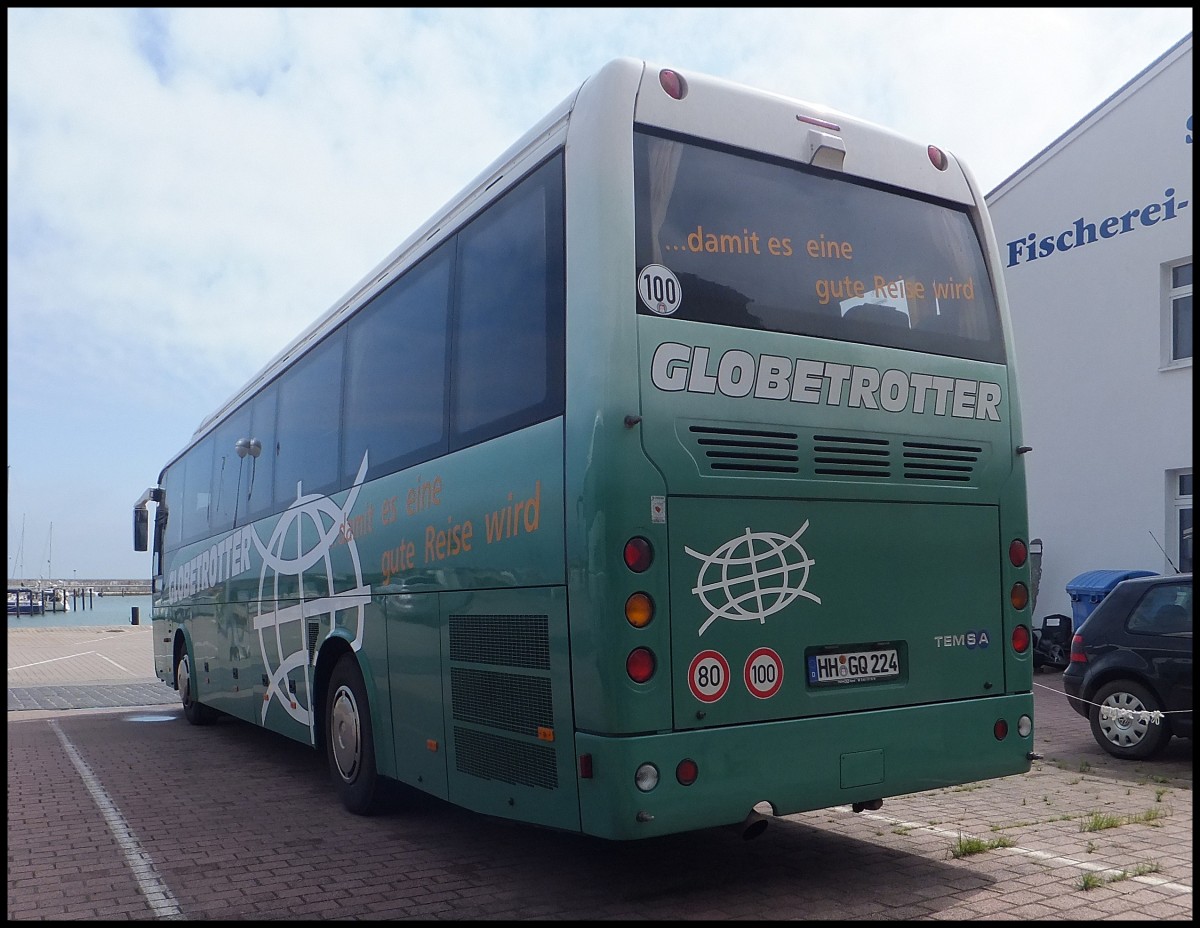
(349, 744)
(1121, 722)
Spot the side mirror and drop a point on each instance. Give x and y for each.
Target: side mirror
(141, 529)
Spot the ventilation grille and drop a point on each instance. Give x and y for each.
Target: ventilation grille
(756, 451)
(511, 640)
(513, 702)
(940, 462)
(845, 456)
(508, 702)
(314, 635)
(766, 451)
(494, 757)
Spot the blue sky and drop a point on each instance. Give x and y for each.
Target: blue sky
(189, 188)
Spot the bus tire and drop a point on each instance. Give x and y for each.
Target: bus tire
(349, 742)
(1132, 737)
(193, 710)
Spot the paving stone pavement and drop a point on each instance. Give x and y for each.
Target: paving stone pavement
(137, 815)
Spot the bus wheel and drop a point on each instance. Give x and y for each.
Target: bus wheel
(349, 744)
(193, 711)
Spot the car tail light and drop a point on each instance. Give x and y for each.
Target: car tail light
(1077, 655)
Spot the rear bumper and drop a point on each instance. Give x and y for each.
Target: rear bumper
(798, 765)
(1071, 688)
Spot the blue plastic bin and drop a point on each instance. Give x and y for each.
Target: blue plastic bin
(1090, 587)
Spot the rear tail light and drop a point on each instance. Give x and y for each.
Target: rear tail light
(1017, 552)
(673, 83)
(640, 665)
(1000, 729)
(686, 772)
(1020, 639)
(1077, 655)
(638, 554)
(1019, 596)
(639, 610)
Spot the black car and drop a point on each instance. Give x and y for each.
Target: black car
(1130, 672)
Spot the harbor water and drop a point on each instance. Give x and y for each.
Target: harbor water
(96, 610)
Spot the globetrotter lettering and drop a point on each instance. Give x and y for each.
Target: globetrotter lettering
(1082, 232)
(735, 373)
(228, 558)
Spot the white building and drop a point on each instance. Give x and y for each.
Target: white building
(1096, 233)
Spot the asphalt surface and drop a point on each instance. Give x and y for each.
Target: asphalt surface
(118, 809)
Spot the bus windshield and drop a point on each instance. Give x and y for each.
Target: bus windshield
(763, 244)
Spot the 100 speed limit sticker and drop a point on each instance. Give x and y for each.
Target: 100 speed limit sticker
(708, 674)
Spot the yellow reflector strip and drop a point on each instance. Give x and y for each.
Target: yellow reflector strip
(545, 734)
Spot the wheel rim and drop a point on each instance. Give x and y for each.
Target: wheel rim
(1127, 726)
(344, 733)
(184, 673)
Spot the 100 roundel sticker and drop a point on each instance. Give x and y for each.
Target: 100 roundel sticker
(708, 676)
(659, 289)
(763, 673)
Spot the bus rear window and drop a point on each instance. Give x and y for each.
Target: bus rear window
(764, 245)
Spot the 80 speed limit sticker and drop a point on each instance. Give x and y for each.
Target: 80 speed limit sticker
(708, 676)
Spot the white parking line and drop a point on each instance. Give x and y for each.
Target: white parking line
(158, 895)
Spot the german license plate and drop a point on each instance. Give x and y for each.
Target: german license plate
(853, 666)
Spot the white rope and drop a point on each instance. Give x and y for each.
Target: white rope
(1109, 713)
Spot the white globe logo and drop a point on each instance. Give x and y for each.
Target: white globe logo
(326, 579)
(741, 583)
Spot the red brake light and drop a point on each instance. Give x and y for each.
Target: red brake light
(638, 554)
(1020, 639)
(640, 665)
(686, 772)
(1000, 729)
(937, 157)
(1017, 552)
(1077, 654)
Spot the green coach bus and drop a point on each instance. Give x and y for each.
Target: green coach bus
(672, 470)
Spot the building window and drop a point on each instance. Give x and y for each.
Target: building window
(1182, 516)
(1177, 331)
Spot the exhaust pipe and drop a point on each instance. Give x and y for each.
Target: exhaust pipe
(752, 826)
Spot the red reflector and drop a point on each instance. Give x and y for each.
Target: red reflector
(1000, 729)
(640, 665)
(673, 83)
(686, 772)
(585, 766)
(1020, 639)
(638, 554)
(1017, 552)
(937, 157)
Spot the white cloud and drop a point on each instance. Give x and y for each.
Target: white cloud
(189, 188)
